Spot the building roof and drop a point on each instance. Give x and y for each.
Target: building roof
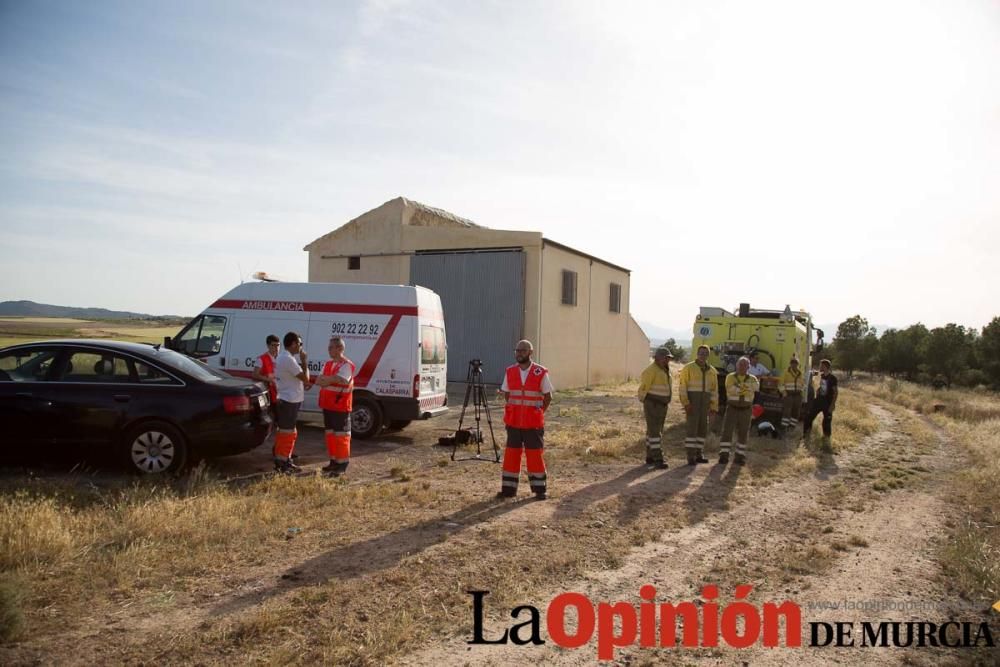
(440, 212)
(429, 216)
(424, 216)
(548, 241)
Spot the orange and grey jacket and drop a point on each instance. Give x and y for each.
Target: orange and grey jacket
(524, 402)
(339, 396)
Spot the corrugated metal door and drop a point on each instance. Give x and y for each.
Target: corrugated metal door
(482, 294)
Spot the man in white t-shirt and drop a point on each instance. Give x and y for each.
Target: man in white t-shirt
(528, 390)
(757, 369)
(291, 371)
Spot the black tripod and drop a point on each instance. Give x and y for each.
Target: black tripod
(475, 389)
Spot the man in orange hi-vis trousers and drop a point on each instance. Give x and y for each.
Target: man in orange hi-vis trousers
(291, 370)
(528, 391)
(336, 398)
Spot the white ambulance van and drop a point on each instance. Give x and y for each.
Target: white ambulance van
(394, 334)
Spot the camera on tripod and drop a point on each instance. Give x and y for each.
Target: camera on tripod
(476, 392)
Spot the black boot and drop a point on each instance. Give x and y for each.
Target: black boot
(724, 458)
(700, 458)
(692, 457)
(740, 459)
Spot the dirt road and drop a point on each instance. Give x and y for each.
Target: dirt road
(848, 535)
(824, 541)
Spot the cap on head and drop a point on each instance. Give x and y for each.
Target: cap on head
(662, 352)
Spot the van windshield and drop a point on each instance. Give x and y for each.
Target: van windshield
(432, 345)
(202, 337)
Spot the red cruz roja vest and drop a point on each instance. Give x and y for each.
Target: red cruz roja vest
(267, 368)
(337, 397)
(524, 405)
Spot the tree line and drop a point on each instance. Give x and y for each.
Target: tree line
(951, 354)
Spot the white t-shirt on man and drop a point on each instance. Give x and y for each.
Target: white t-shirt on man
(290, 387)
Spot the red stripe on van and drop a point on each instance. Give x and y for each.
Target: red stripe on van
(365, 374)
(301, 306)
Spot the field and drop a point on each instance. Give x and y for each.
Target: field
(14, 330)
(230, 565)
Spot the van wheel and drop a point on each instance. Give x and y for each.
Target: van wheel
(399, 424)
(366, 418)
(154, 448)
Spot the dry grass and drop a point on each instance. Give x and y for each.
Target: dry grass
(971, 555)
(11, 616)
(74, 550)
(805, 560)
(970, 405)
(852, 421)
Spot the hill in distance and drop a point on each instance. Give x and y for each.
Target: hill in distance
(657, 334)
(32, 309)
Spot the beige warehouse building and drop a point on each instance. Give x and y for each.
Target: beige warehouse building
(496, 287)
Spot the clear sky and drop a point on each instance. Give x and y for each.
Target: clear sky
(842, 157)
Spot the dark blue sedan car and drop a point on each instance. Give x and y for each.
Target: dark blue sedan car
(151, 408)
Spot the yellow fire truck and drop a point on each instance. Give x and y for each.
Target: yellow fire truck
(776, 336)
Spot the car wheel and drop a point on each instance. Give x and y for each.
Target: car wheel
(155, 448)
(366, 418)
(399, 424)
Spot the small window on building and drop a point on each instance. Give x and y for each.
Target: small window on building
(569, 288)
(354, 263)
(616, 298)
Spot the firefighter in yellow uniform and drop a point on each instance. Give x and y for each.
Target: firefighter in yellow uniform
(792, 386)
(654, 393)
(740, 390)
(698, 388)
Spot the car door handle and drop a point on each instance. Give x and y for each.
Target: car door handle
(123, 398)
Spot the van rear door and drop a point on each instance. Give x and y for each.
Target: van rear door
(433, 356)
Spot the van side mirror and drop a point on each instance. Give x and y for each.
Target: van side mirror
(167, 340)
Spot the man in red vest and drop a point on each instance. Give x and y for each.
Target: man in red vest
(528, 392)
(336, 400)
(264, 371)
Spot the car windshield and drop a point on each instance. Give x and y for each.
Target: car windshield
(195, 369)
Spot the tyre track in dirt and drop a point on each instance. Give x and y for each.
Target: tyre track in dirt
(756, 542)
